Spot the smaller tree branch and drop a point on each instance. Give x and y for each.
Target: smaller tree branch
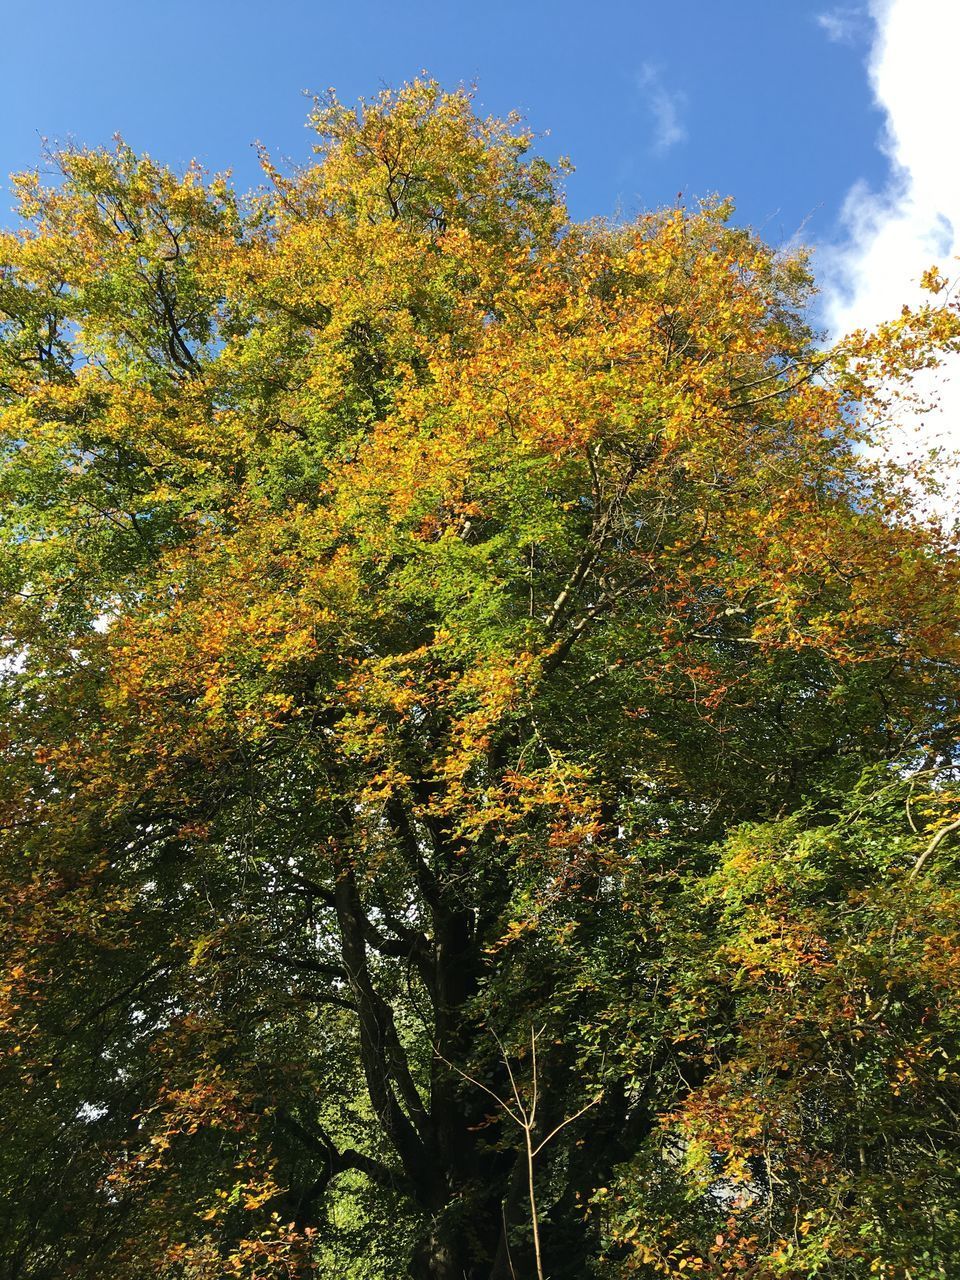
(932, 847)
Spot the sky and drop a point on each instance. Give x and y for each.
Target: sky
(830, 122)
(749, 98)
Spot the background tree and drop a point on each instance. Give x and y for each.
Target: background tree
(425, 616)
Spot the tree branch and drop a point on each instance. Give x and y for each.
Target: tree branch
(384, 1061)
(932, 847)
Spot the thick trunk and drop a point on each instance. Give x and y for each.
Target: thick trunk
(435, 1258)
(469, 1245)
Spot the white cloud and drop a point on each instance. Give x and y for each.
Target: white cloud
(842, 25)
(664, 106)
(891, 236)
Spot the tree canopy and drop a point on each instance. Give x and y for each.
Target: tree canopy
(479, 725)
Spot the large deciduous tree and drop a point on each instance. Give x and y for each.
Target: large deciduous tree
(435, 627)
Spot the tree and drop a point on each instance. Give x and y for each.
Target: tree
(427, 616)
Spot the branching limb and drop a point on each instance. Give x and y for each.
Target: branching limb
(932, 847)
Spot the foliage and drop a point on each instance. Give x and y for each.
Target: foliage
(427, 616)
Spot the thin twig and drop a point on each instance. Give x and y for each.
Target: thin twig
(525, 1118)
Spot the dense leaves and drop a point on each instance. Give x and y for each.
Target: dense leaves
(430, 624)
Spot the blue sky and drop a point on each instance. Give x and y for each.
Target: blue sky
(749, 98)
